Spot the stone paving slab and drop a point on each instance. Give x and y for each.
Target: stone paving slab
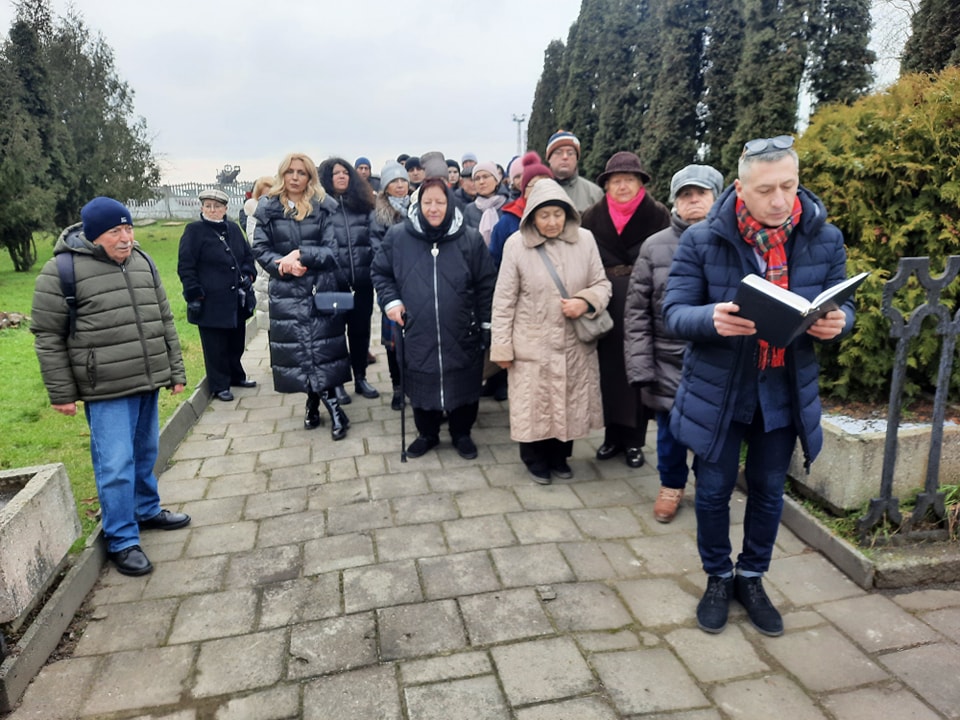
(325, 579)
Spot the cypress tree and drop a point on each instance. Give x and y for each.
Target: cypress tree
(673, 127)
(840, 60)
(627, 42)
(723, 48)
(576, 105)
(543, 116)
(767, 82)
(935, 41)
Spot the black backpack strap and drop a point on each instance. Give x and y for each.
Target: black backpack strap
(68, 287)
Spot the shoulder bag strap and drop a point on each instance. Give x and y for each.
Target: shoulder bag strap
(552, 270)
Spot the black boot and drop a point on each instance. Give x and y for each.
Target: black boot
(338, 418)
(312, 417)
(397, 402)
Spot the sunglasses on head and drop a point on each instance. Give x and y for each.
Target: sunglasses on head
(760, 146)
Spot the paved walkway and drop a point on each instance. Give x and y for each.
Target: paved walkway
(328, 581)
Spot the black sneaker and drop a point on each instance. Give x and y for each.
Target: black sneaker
(763, 615)
(466, 447)
(422, 445)
(562, 470)
(715, 604)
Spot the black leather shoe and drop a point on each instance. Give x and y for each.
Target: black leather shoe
(634, 457)
(422, 445)
(224, 395)
(311, 417)
(245, 384)
(343, 397)
(165, 520)
(131, 561)
(339, 422)
(366, 389)
(609, 450)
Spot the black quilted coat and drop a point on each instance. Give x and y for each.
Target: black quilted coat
(356, 245)
(307, 350)
(447, 289)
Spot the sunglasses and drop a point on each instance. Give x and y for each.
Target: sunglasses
(765, 145)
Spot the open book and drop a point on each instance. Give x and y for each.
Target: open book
(781, 315)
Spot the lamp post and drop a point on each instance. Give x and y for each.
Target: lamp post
(519, 120)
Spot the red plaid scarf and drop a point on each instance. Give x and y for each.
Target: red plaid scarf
(770, 242)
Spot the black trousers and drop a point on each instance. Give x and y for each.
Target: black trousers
(222, 349)
(550, 452)
(628, 437)
(460, 419)
(358, 329)
(393, 365)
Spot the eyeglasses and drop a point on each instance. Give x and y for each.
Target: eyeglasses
(765, 145)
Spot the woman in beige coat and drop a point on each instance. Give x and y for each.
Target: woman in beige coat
(554, 376)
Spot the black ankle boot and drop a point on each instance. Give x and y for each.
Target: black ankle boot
(338, 418)
(312, 417)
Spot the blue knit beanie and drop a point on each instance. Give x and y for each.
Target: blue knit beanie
(362, 161)
(102, 214)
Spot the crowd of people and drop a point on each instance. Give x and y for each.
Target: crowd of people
(587, 305)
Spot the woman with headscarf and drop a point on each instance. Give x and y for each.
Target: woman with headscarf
(554, 376)
(434, 277)
(216, 270)
(294, 242)
(620, 221)
(351, 225)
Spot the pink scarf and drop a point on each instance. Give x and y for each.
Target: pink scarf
(489, 205)
(621, 213)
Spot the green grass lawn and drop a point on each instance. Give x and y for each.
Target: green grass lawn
(33, 433)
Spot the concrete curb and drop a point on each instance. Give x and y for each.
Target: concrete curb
(42, 637)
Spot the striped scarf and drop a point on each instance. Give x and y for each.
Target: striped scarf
(769, 242)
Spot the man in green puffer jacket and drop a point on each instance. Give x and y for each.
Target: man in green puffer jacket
(113, 350)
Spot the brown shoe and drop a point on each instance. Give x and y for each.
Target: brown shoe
(667, 504)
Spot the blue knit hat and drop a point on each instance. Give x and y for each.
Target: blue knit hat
(102, 214)
(560, 139)
(362, 161)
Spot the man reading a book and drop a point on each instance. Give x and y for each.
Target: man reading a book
(738, 389)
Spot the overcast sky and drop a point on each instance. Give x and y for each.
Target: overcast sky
(244, 82)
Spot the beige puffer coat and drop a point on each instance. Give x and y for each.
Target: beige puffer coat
(555, 378)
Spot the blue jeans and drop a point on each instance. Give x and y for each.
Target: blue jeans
(671, 455)
(124, 442)
(768, 457)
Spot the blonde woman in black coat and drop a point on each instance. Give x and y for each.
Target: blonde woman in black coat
(295, 244)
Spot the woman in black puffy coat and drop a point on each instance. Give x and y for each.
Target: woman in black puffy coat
(435, 277)
(295, 244)
(351, 224)
(216, 270)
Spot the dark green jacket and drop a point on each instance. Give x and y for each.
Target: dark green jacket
(125, 341)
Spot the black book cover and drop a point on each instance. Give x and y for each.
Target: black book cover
(781, 315)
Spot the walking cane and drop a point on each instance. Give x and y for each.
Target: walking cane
(400, 340)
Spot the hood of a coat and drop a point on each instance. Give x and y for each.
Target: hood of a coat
(548, 191)
(73, 240)
(413, 217)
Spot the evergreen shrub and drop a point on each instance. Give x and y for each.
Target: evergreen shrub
(887, 169)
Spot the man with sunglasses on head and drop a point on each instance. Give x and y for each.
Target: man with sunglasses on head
(737, 389)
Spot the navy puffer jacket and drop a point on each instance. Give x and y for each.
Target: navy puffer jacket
(447, 295)
(307, 350)
(710, 262)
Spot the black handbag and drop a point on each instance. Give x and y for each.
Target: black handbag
(333, 303)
